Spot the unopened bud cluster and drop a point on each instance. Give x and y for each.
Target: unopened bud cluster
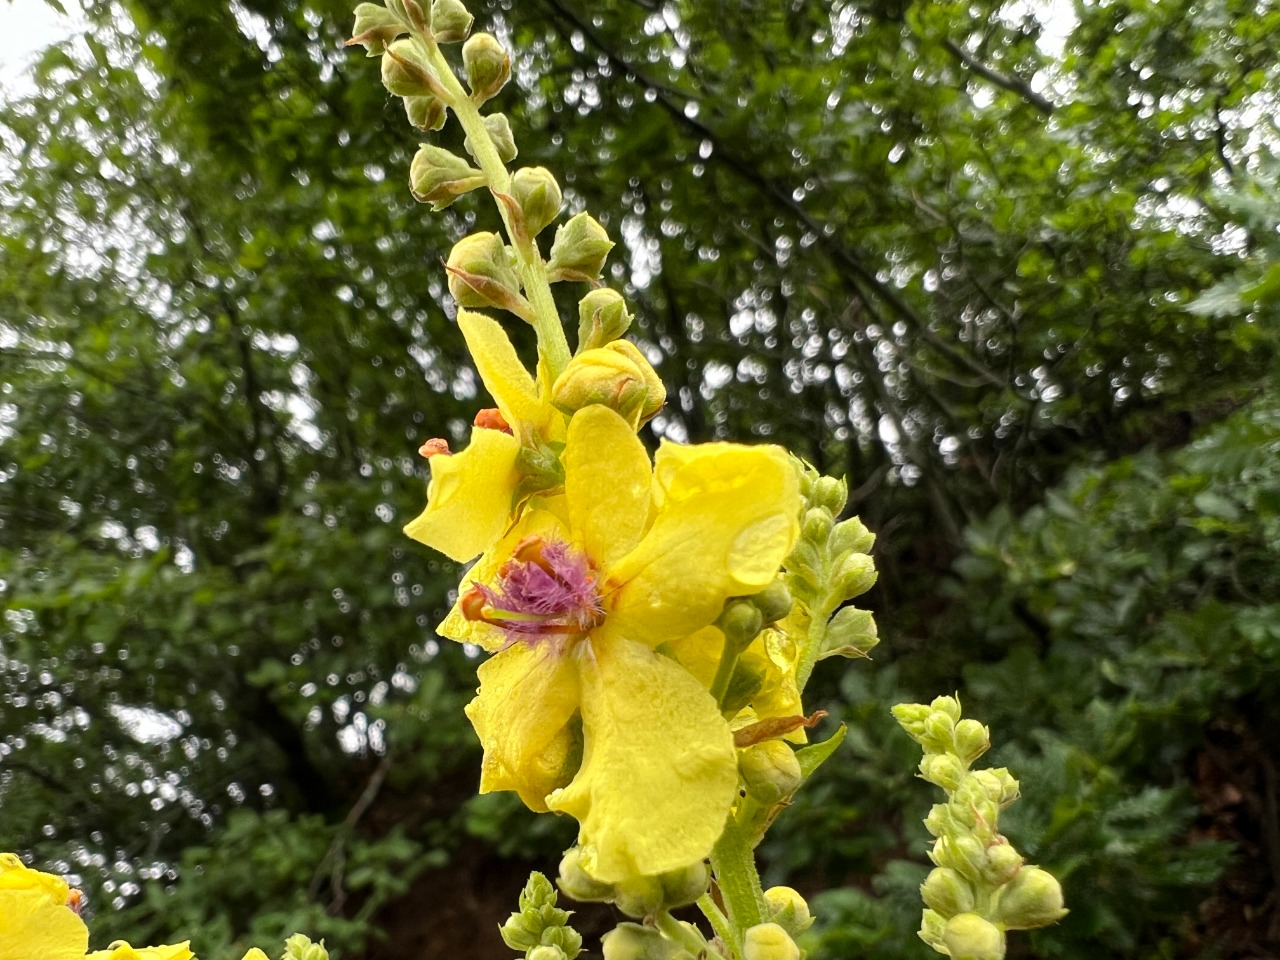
(540, 929)
(832, 564)
(980, 886)
(300, 947)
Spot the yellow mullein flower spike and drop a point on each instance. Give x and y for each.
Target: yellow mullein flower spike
(36, 920)
(575, 598)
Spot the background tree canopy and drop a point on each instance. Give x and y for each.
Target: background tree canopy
(1024, 293)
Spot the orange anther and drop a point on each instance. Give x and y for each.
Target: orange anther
(435, 447)
(491, 418)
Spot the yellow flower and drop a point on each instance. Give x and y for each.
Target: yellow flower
(36, 922)
(471, 496)
(577, 598)
(122, 951)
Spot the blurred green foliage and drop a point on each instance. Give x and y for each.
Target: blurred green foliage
(1024, 298)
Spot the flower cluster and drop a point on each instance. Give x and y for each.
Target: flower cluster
(980, 887)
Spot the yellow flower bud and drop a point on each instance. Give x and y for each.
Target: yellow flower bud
(932, 924)
(788, 909)
(970, 937)
(770, 771)
(1003, 863)
(488, 66)
(768, 941)
(254, 954)
(438, 177)
(546, 952)
(579, 250)
(682, 887)
(426, 112)
(375, 28)
(1031, 899)
(947, 892)
(912, 717)
(616, 375)
(450, 21)
(946, 705)
(537, 196)
(405, 73)
(602, 318)
(482, 272)
(300, 947)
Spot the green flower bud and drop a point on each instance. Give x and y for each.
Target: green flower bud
(616, 375)
(998, 784)
(970, 937)
(768, 941)
(830, 493)
(579, 250)
(788, 909)
(564, 939)
(682, 887)
(972, 740)
(405, 73)
(940, 821)
(438, 177)
(300, 947)
(450, 21)
(630, 941)
(939, 732)
(806, 561)
(639, 896)
(488, 66)
(749, 675)
(482, 272)
(774, 602)
(855, 575)
(911, 717)
(578, 884)
(947, 892)
(965, 854)
(546, 952)
(1002, 863)
(375, 28)
(816, 526)
(602, 318)
(519, 934)
(850, 633)
(741, 622)
(851, 536)
(948, 705)
(411, 13)
(426, 112)
(537, 196)
(770, 771)
(931, 926)
(1031, 899)
(942, 769)
(499, 128)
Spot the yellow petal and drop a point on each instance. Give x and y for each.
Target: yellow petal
(727, 518)
(522, 715)
(607, 483)
(469, 499)
(504, 376)
(700, 653)
(659, 772)
(35, 927)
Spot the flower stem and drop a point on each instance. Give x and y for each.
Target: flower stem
(734, 865)
(552, 344)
